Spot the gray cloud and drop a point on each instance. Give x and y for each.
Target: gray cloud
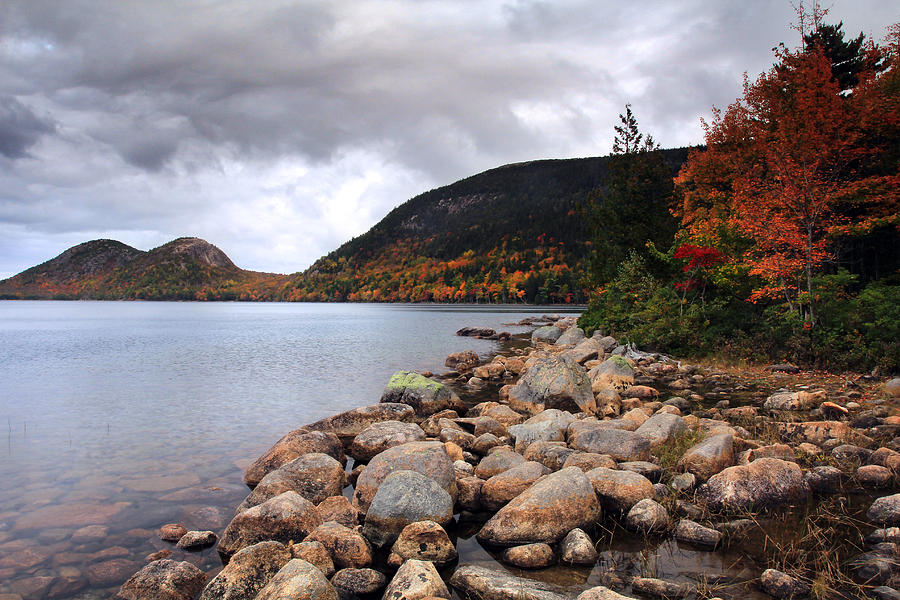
(294, 126)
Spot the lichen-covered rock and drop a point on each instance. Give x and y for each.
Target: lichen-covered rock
(619, 444)
(314, 476)
(473, 581)
(648, 515)
(286, 517)
(709, 456)
(348, 547)
(615, 372)
(661, 428)
(764, 483)
(425, 540)
(819, 432)
(405, 497)
(428, 458)
(781, 585)
(378, 437)
(618, 490)
(292, 446)
(416, 580)
(298, 580)
(351, 423)
(424, 395)
(484, 442)
(248, 571)
(545, 512)
(553, 382)
(164, 580)
(503, 487)
(529, 556)
(885, 510)
(578, 549)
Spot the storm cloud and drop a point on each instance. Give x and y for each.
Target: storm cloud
(278, 130)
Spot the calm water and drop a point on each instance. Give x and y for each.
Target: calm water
(131, 415)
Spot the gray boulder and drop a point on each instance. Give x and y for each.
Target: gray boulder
(424, 395)
(298, 580)
(428, 458)
(661, 427)
(709, 456)
(405, 497)
(692, 532)
(542, 431)
(353, 583)
(885, 510)
(647, 515)
(545, 512)
(553, 382)
(547, 333)
(570, 337)
(378, 437)
(586, 350)
(578, 549)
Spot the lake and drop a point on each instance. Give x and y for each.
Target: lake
(124, 416)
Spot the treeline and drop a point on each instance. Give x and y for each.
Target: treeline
(786, 240)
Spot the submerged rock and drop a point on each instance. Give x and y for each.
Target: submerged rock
(473, 581)
(545, 512)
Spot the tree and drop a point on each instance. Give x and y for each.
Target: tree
(848, 58)
(633, 207)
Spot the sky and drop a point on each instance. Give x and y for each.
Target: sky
(278, 130)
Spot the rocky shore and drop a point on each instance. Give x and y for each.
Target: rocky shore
(581, 437)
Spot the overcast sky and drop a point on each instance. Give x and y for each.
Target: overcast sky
(278, 130)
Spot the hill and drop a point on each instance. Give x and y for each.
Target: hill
(183, 269)
(510, 234)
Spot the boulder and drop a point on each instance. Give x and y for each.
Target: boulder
(469, 497)
(650, 470)
(286, 517)
(472, 581)
(692, 532)
(578, 549)
(661, 428)
(874, 476)
(570, 337)
(248, 571)
(892, 387)
(780, 451)
(589, 460)
(764, 483)
(498, 461)
(503, 415)
(416, 580)
(197, 540)
(503, 487)
(425, 540)
(351, 423)
(586, 350)
(484, 442)
(378, 437)
(824, 480)
(782, 586)
(355, 583)
(481, 332)
(432, 425)
(602, 593)
(661, 588)
(462, 361)
(405, 497)
(648, 515)
(552, 455)
(547, 333)
(314, 476)
(615, 372)
(292, 446)
(621, 445)
(541, 431)
(314, 553)
(617, 490)
(885, 510)
(298, 580)
(424, 395)
(529, 556)
(348, 548)
(709, 456)
(339, 509)
(553, 382)
(819, 432)
(545, 512)
(801, 400)
(164, 580)
(428, 458)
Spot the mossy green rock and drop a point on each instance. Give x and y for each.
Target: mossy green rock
(425, 396)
